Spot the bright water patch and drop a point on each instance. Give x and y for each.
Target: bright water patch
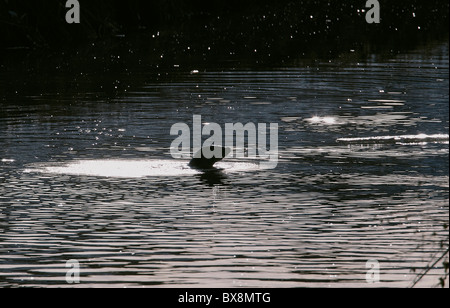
(419, 138)
(121, 168)
(117, 168)
(7, 160)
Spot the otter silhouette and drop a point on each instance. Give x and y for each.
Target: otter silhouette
(201, 162)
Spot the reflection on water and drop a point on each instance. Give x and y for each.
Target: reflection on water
(362, 174)
(119, 168)
(142, 168)
(420, 138)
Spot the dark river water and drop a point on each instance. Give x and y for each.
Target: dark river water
(362, 175)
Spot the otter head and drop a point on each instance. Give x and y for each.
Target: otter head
(206, 157)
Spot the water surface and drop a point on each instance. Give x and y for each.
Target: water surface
(362, 175)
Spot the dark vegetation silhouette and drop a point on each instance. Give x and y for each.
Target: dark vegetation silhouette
(196, 30)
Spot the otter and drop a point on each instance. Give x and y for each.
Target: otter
(201, 162)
